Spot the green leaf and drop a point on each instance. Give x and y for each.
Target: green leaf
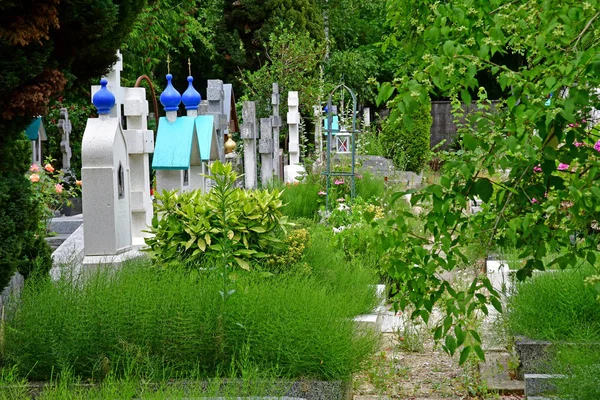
(242, 263)
(466, 96)
(496, 303)
(550, 82)
(464, 355)
(450, 343)
(475, 335)
(460, 335)
(448, 48)
(484, 189)
(479, 352)
(591, 257)
(385, 92)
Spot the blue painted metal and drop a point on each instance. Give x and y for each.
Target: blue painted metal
(330, 124)
(191, 98)
(32, 131)
(173, 149)
(204, 131)
(170, 98)
(103, 99)
(335, 125)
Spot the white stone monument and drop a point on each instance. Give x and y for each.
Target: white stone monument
(106, 189)
(295, 169)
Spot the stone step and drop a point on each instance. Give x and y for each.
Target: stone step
(540, 384)
(66, 225)
(56, 240)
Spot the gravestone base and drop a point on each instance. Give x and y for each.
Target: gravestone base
(292, 173)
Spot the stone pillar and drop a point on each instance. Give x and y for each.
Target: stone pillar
(114, 85)
(248, 134)
(275, 124)
(293, 120)
(265, 148)
(65, 127)
(140, 143)
(293, 170)
(215, 96)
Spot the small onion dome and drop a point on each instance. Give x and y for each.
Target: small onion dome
(170, 98)
(191, 98)
(229, 146)
(103, 99)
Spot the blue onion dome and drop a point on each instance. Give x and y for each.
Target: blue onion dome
(191, 98)
(103, 99)
(170, 98)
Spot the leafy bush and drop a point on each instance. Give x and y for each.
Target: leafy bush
(20, 214)
(140, 320)
(287, 259)
(556, 305)
(225, 221)
(409, 148)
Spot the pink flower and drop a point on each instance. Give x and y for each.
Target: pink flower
(597, 146)
(578, 144)
(583, 121)
(341, 200)
(34, 178)
(537, 168)
(49, 167)
(534, 200)
(59, 188)
(34, 168)
(339, 182)
(359, 176)
(322, 193)
(563, 166)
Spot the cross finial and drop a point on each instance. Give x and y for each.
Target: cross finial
(189, 67)
(168, 64)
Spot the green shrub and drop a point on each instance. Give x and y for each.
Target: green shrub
(556, 305)
(409, 148)
(141, 320)
(227, 221)
(20, 214)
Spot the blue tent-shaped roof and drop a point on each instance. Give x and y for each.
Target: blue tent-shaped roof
(32, 131)
(173, 149)
(204, 130)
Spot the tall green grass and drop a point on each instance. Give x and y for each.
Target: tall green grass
(556, 305)
(302, 200)
(144, 321)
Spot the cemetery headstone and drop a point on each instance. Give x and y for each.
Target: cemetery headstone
(65, 127)
(294, 170)
(248, 134)
(106, 192)
(265, 148)
(275, 124)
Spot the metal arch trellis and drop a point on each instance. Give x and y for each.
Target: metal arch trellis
(328, 172)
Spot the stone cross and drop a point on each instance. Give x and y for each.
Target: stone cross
(65, 127)
(248, 134)
(215, 96)
(293, 120)
(140, 144)
(265, 148)
(275, 124)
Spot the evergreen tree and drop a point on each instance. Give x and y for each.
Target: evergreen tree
(44, 45)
